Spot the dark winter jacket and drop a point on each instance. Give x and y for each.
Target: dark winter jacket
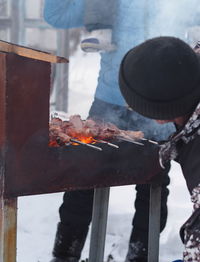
(189, 159)
(184, 147)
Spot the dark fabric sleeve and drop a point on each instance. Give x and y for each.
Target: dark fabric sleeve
(191, 228)
(190, 235)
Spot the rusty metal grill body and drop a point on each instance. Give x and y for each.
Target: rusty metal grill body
(29, 166)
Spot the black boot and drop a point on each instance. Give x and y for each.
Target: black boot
(67, 260)
(137, 252)
(69, 242)
(63, 260)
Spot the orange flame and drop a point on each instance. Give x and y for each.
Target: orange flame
(86, 140)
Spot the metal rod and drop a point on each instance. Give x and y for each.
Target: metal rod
(85, 144)
(150, 141)
(129, 140)
(154, 223)
(99, 224)
(108, 143)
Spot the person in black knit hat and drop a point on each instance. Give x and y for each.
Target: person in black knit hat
(160, 79)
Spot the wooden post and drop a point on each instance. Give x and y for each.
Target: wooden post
(8, 229)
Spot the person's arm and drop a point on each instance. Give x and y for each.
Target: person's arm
(64, 13)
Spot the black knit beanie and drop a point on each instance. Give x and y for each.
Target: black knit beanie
(160, 78)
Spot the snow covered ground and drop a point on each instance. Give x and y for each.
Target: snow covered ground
(38, 215)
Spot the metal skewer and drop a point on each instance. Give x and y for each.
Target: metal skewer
(85, 144)
(150, 141)
(108, 143)
(129, 140)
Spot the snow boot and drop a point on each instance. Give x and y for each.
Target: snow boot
(69, 242)
(137, 252)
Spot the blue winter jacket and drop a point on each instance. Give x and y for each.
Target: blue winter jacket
(128, 31)
(133, 18)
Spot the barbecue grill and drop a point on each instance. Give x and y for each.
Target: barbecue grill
(29, 166)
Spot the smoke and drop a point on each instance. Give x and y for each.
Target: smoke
(180, 18)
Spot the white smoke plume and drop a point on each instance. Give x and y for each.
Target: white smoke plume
(180, 18)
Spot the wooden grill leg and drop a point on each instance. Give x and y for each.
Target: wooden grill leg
(8, 229)
(154, 223)
(99, 224)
